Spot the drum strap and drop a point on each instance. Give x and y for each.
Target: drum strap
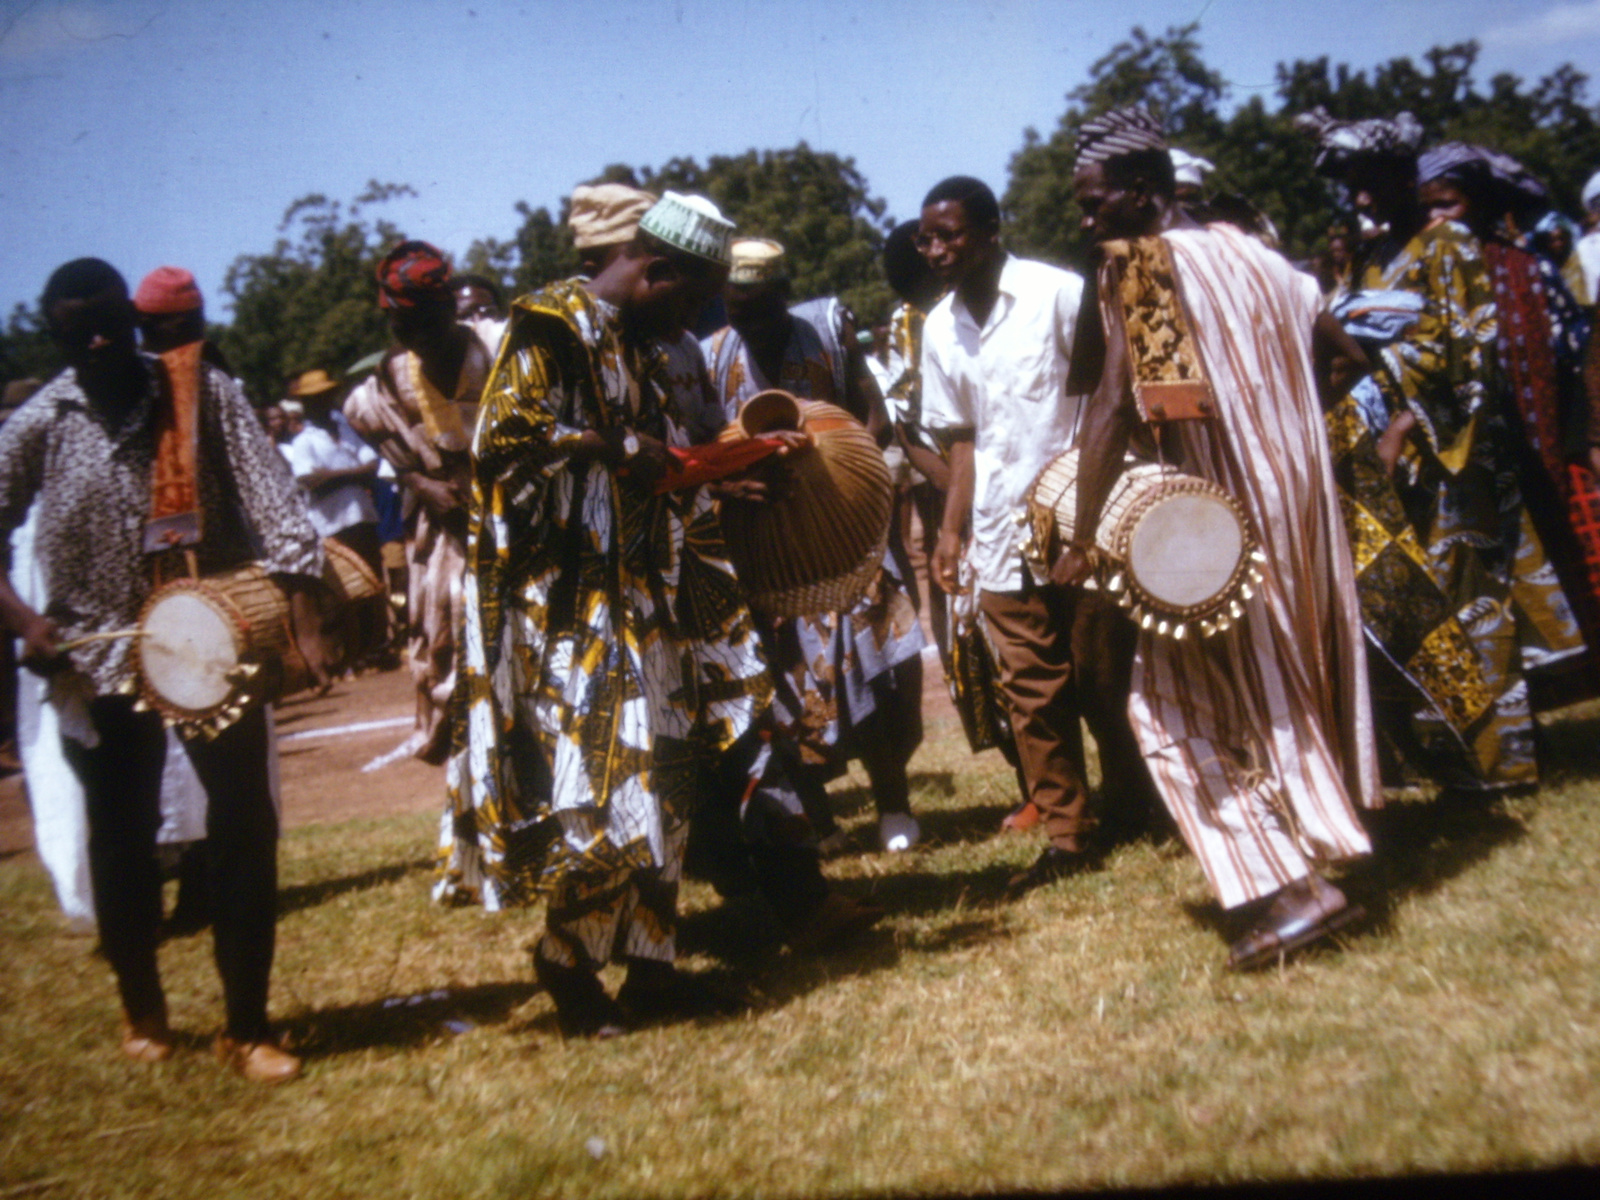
(1169, 380)
(174, 520)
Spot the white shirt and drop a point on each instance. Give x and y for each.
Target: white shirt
(1007, 382)
(315, 449)
(1588, 251)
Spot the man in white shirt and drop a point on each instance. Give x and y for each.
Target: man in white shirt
(995, 357)
(1588, 248)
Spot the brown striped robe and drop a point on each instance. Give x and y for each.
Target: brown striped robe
(1260, 738)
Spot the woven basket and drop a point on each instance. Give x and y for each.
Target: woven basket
(819, 546)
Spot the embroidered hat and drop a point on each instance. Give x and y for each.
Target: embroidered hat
(167, 290)
(604, 214)
(690, 223)
(756, 260)
(1118, 132)
(409, 272)
(312, 383)
(1340, 141)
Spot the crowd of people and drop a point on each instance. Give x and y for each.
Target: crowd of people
(1407, 429)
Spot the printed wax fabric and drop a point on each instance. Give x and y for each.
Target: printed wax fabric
(607, 653)
(1260, 739)
(1460, 488)
(1541, 339)
(824, 667)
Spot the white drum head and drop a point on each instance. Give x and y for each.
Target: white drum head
(187, 651)
(1186, 549)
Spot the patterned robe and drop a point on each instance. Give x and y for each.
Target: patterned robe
(1260, 738)
(388, 409)
(1461, 492)
(824, 666)
(608, 655)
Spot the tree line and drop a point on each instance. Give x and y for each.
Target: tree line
(309, 300)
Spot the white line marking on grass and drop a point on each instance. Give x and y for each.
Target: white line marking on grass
(345, 730)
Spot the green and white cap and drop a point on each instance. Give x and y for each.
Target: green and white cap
(692, 224)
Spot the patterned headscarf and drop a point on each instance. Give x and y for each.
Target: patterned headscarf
(1118, 132)
(410, 272)
(1340, 141)
(1512, 183)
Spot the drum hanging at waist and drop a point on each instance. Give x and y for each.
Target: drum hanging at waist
(209, 650)
(1179, 551)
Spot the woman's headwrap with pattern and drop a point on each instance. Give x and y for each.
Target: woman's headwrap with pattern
(1508, 181)
(410, 272)
(1340, 141)
(1118, 132)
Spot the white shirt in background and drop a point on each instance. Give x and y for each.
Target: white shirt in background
(315, 449)
(1007, 382)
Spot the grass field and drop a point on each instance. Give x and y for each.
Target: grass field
(1084, 1037)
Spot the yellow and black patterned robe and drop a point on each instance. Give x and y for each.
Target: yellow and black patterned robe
(608, 652)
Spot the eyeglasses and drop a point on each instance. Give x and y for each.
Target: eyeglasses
(947, 237)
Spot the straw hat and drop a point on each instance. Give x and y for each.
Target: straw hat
(604, 214)
(756, 260)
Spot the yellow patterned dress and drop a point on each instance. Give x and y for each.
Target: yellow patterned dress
(1461, 497)
(608, 656)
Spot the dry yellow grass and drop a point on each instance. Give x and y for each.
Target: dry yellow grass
(1082, 1037)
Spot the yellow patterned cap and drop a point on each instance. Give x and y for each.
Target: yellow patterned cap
(604, 214)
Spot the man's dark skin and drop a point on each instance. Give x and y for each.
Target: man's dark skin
(1127, 205)
(96, 337)
(967, 258)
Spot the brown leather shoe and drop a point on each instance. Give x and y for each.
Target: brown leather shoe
(148, 1039)
(259, 1062)
(1299, 914)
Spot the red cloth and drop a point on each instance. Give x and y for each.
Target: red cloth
(716, 460)
(167, 290)
(408, 272)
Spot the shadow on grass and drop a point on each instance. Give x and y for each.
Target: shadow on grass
(1569, 749)
(1417, 848)
(309, 895)
(405, 1020)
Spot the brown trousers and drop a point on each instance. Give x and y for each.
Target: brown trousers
(1065, 654)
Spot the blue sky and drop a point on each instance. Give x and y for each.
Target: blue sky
(178, 131)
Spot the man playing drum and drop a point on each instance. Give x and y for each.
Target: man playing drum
(1259, 737)
(91, 447)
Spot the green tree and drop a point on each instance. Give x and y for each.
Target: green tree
(311, 301)
(1166, 74)
(26, 349)
(814, 202)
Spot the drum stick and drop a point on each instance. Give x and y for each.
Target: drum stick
(109, 636)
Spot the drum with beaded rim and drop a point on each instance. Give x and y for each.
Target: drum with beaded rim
(1178, 551)
(210, 649)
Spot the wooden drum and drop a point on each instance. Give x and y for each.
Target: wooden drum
(1180, 551)
(347, 575)
(209, 649)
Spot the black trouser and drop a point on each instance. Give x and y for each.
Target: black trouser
(121, 779)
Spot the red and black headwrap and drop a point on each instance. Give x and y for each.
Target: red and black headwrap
(410, 272)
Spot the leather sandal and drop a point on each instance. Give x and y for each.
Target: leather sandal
(147, 1039)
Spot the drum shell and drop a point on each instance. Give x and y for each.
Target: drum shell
(1051, 514)
(255, 612)
(818, 547)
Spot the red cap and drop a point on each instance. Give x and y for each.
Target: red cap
(167, 290)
